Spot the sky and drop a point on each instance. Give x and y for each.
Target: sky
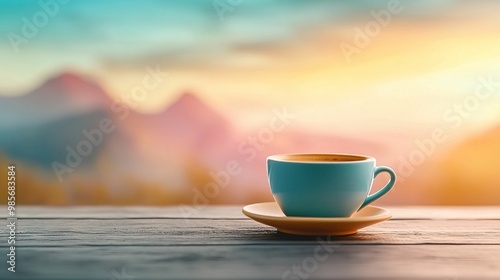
(247, 58)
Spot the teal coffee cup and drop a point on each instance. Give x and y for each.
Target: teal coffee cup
(324, 185)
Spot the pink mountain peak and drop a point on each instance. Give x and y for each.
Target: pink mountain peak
(189, 104)
(193, 122)
(70, 76)
(74, 87)
(188, 99)
(69, 79)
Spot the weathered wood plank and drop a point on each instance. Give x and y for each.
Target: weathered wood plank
(258, 262)
(234, 212)
(220, 243)
(169, 232)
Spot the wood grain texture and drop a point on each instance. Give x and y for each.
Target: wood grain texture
(259, 262)
(234, 212)
(220, 243)
(169, 232)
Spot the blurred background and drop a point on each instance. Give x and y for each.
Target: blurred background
(180, 102)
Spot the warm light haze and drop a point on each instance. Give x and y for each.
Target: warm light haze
(165, 95)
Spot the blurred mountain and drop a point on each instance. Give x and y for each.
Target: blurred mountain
(177, 150)
(61, 96)
(188, 125)
(44, 143)
(37, 127)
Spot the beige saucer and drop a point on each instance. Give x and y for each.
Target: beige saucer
(270, 214)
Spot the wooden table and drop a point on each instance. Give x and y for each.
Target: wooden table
(220, 243)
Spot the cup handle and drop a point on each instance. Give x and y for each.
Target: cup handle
(384, 190)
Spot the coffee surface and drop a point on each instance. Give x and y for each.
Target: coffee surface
(320, 158)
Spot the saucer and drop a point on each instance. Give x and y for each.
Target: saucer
(269, 213)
